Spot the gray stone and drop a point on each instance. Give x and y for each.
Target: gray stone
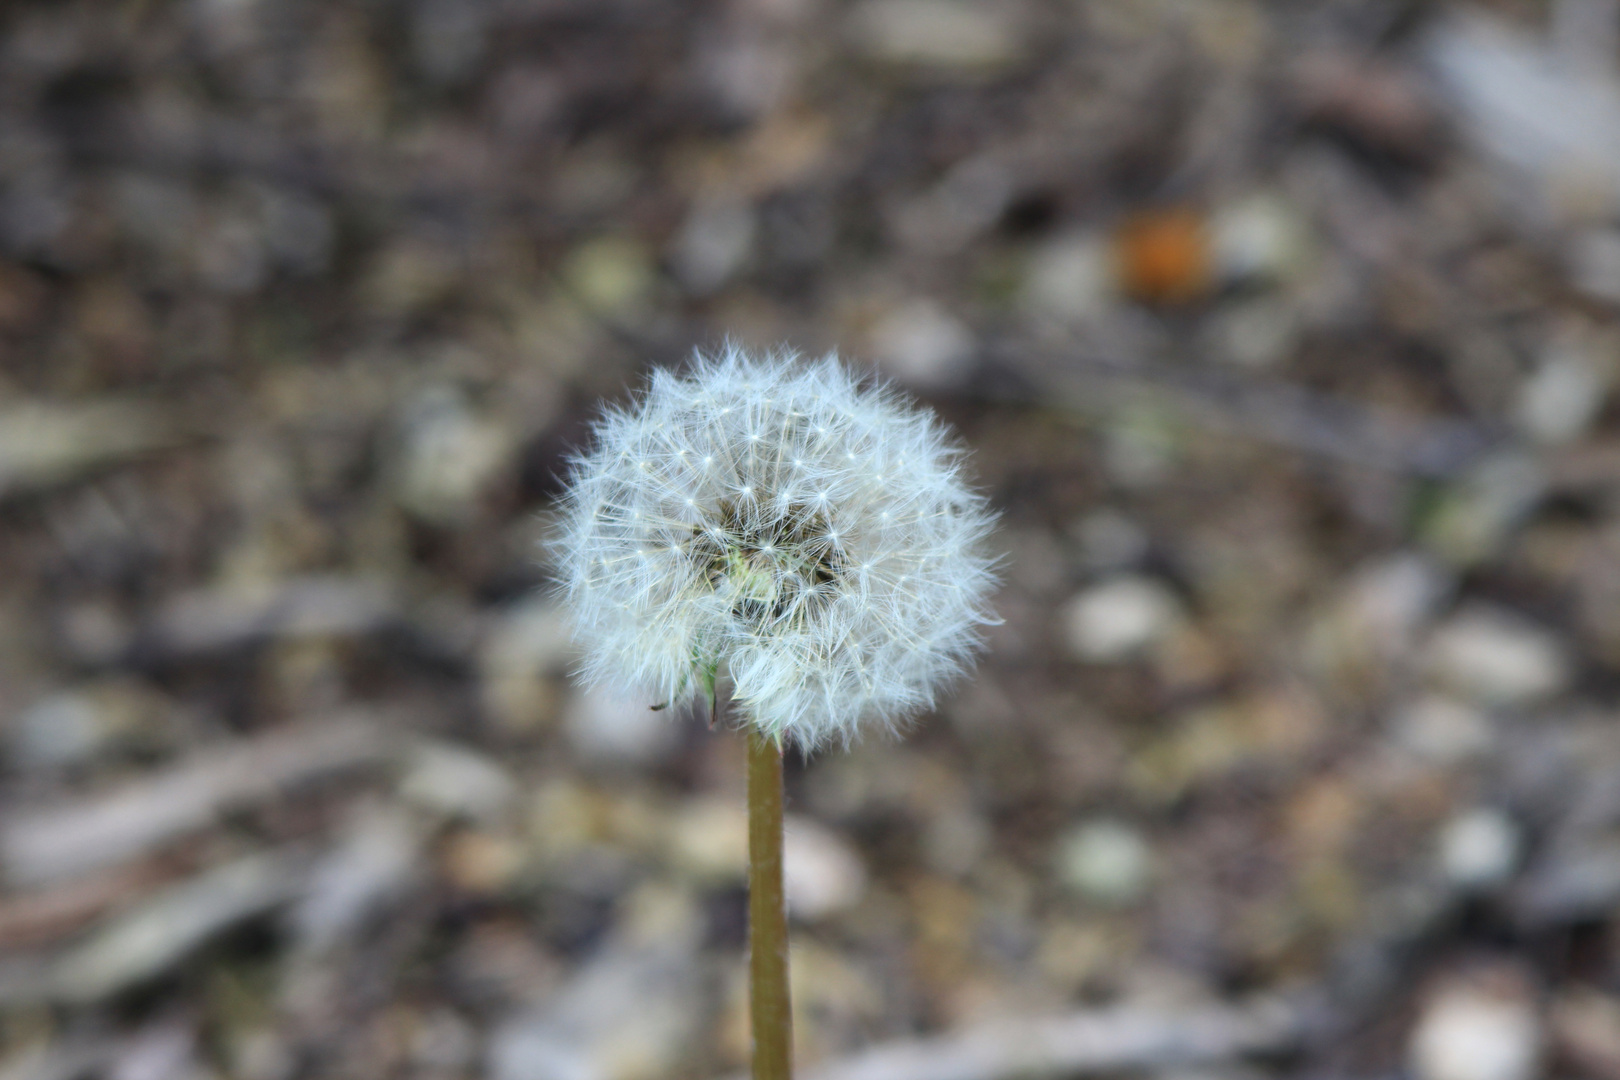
(1563, 396)
(609, 729)
(935, 33)
(956, 839)
(1071, 279)
(714, 242)
(1105, 861)
(457, 782)
(821, 873)
(922, 345)
(1477, 1032)
(61, 729)
(449, 455)
(1119, 618)
(1261, 238)
(1443, 730)
(165, 1050)
(1480, 849)
(1493, 657)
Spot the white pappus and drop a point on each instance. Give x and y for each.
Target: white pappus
(787, 525)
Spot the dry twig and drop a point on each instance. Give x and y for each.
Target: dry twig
(121, 825)
(1085, 1043)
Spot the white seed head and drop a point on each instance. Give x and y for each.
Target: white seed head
(783, 523)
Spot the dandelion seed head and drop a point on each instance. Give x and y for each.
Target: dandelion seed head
(780, 522)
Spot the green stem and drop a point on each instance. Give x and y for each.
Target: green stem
(767, 913)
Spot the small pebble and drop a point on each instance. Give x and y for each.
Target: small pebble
(164, 1050)
(714, 242)
(1538, 112)
(1072, 279)
(1443, 730)
(61, 729)
(457, 782)
(1392, 597)
(608, 729)
(1480, 849)
(1119, 618)
(480, 863)
(924, 346)
(1260, 238)
(1480, 1031)
(1493, 657)
(1577, 881)
(955, 840)
(1380, 610)
(935, 33)
(708, 841)
(1562, 397)
(442, 1043)
(449, 457)
(1105, 861)
(821, 873)
(610, 275)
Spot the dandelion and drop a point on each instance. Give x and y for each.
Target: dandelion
(784, 525)
(804, 536)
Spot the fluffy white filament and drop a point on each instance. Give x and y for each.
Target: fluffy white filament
(780, 522)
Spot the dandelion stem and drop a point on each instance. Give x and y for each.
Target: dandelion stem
(767, 912)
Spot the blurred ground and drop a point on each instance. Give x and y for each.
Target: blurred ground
(1283, 335)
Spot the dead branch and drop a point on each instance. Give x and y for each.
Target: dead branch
(1085, 1043)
